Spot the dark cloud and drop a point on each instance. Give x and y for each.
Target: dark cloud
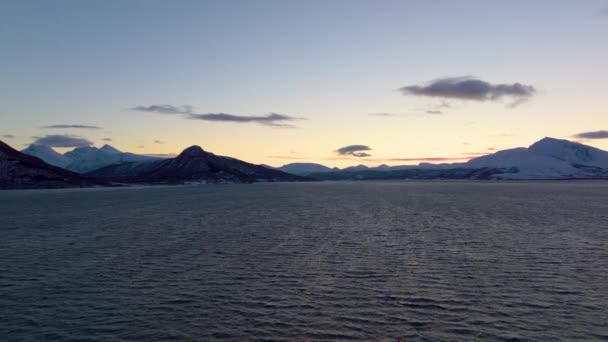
(354, 150)
(107, 139)
(492, 149)
(8, 136)
(72, 126)
(592, 135)
(468, 88)
(434, 112)
(271, 119)
(60, 140)
(159, 142)
(164, 109)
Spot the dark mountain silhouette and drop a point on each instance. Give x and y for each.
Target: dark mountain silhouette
(21, 171)
(192, 165)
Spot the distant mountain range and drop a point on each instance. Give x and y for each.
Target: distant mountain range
(548, 158)
(21, 171)
(84, 159)
(193, 165)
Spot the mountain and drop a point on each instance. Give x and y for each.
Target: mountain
(48, 155)
(22, 171)
(548, 158)
(84, 159)
(303, 168)
(89, 158)
(360, 167)
(570, 152)
(192, 165)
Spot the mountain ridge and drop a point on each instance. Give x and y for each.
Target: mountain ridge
(193, 164)
(22, 171)
(84, 159)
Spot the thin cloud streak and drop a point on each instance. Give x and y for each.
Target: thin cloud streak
(161, 155)
(271, 119)
(72, 126)
(9, 136)
(592, 135)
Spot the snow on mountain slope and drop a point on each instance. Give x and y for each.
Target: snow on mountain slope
(548, 158)
(570, 152)
(528, 164)
(89, 158)
(48, 155)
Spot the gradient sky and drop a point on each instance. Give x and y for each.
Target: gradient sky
(332, 63)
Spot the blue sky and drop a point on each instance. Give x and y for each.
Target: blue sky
(331, 63)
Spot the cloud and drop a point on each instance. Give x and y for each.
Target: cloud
(72, 126)
(159, 142)
(354, 150)
(468, 88)
(107, 139)
(164, 109)
(592, 135)
(140, 146)
(434, 112)
(492, 149)
(9, 136)
(162, 155)
(383, 114)
(602, 12)
(271, 119)
(59, 140)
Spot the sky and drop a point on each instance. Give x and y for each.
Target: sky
(333, 82)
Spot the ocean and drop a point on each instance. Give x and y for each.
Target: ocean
(343, 261)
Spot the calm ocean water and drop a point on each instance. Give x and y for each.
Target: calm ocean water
(442, 261)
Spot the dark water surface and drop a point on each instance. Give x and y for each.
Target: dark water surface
(305, 262)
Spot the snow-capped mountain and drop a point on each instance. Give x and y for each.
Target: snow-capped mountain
(84, 159)
(549, 158)
(570, 152)
(192, 165)
(22, 171)
(89, 158)
(47, 154)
